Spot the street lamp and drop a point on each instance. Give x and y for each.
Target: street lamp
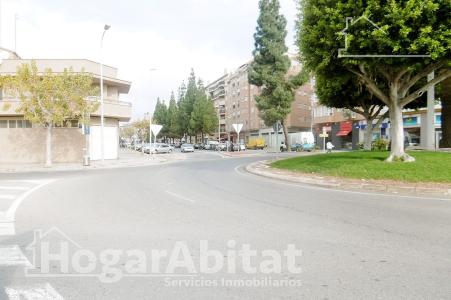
(102, 121)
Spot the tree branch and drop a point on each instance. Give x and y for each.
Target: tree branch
(371, 85)
(378, 111)
(418, 93)
(381, 119)
(357, 111)
(432, 67)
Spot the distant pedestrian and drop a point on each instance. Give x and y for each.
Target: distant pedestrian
(329, 147)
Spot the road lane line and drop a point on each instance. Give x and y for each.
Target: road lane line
(179, 196)
(11, 212)
(13, 256)
(36, 292)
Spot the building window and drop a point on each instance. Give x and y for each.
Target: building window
(3, 123)
(12, 124)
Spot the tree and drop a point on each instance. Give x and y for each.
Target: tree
(51, 99)
(204, 117)
(173, 129)
(182, 116)
(142, 131)
(342, 90)
(160, 116)
(446, 114)
(187, 104)
(127, 132)
(270, 66)
(406, 27)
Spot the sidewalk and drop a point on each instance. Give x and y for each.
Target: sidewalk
(263, 168)
(246, 153)
(127, 158)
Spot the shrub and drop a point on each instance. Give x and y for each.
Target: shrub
(380, 145)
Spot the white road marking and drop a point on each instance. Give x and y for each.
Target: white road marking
(36, 292)
(313, 187)
(13, 256)
(11, 212)
(180, 196)
(8, 197)
(14, 188)
(7, 228)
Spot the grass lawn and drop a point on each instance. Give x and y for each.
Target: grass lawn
(429, 166)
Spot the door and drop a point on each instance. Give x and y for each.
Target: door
(111, 143)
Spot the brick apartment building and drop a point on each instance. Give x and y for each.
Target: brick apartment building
(234, 99)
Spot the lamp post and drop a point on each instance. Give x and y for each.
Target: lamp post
(102, 121)
(16, 17)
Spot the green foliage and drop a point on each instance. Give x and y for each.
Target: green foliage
(429, 167)
(380, 145)
(172, 118)
(50, 98)
(192, 114)
(379, 27)
(160, 116)
(204, 116)
(271, 63)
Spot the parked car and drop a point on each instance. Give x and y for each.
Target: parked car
(145, 148)
(162, 148)
(221, 147)
(196, 146)
(187, 148)
(303, 147)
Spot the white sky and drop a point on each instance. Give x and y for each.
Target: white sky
(172, 36)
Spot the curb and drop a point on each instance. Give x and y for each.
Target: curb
(92, 167)
(262, 168)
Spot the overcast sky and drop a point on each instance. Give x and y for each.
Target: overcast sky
(172, 36)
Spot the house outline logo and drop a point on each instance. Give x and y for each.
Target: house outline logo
(40, 236)
(351, 22)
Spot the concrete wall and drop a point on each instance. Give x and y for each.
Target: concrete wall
(27, 145)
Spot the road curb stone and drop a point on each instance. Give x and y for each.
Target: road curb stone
(263, 168)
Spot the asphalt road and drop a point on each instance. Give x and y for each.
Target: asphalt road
(354, 245)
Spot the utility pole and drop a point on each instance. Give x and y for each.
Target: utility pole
(102, 118)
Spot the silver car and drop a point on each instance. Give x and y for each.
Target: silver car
(187, 148)
(161, 148)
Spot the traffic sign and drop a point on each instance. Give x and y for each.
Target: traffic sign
(324, 135)
(237, 127)
(156, 128)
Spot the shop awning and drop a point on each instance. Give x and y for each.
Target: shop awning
(343, 132)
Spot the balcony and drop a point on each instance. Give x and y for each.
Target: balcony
(112, 109)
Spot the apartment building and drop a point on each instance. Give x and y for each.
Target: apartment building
(234, 97)
(24, 142)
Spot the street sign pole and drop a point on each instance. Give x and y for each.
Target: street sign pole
(276, 129)
(238, 128)
(324, 135)
(155, 128)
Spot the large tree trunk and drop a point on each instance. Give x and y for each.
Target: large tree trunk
(445, 142)
(397, 151)
(48, 146)
(285, 134)
(368, 135)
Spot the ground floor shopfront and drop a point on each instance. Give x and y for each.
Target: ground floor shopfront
(350, 134)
